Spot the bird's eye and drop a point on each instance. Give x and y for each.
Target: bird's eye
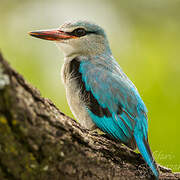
(79, 32)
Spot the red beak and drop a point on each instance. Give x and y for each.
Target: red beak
(52, 35)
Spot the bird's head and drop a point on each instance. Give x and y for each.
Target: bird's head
(77, 38)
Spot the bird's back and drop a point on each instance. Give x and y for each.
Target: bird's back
(98, 86)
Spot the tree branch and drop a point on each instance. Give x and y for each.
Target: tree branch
(37, 141)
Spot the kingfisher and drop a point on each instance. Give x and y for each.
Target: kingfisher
(99, 93)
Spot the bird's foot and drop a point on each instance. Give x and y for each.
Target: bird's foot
(97, 131)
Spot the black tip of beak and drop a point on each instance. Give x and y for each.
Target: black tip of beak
(31, 33)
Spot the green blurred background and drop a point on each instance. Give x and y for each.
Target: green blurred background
(144, 37)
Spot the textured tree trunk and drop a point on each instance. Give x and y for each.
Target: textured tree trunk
(37, 141)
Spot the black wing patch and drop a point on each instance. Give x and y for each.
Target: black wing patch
(92, 104)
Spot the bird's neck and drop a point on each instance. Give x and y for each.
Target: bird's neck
(104, 60)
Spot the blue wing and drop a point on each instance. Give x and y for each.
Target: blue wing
(123, 111)
(119, 96)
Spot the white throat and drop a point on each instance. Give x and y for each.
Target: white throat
(67, 50)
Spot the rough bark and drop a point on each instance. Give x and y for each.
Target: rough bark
(37, 141)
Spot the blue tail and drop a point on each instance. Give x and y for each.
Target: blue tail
(145, 151)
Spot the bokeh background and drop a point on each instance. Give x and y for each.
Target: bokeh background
(144, 37)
